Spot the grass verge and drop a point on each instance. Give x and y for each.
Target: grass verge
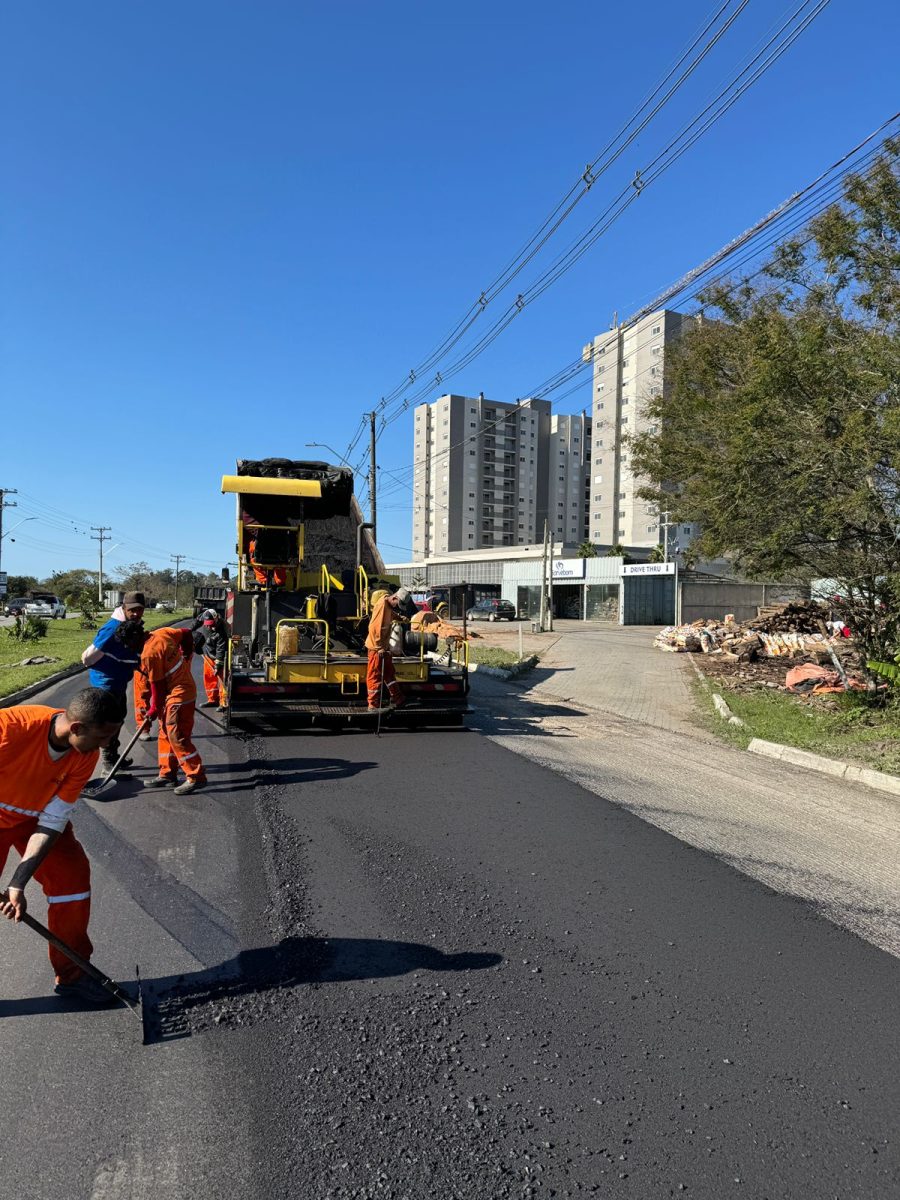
(491, 656)
(849, 727)
(65, 641)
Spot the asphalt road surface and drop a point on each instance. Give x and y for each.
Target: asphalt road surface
(422, 965)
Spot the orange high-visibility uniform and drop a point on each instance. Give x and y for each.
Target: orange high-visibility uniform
(210, 680)
(279, 574)
(40, 790)
(380, 671)
(142, 697)
(168, 671)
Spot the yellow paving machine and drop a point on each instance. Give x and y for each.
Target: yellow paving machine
(298, 610)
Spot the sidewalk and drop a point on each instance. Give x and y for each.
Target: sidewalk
(613, 668)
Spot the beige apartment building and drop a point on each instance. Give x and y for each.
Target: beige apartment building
(629, 366)
(488, 474)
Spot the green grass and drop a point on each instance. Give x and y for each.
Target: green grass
(849, 726)
(491, 656)
(65, 641)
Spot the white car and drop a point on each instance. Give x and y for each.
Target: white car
(47, 606)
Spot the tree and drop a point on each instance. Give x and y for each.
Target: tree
(658, 554)
(587, 550)
(617, 550)
(779, 429)
(18, 585)
(66, 584)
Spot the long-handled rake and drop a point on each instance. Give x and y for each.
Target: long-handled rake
(114, 989)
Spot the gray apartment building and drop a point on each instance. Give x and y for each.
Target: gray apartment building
(629, 366)
(489, 474)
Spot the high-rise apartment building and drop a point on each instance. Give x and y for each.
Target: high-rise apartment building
(489, 474)
(629, 367)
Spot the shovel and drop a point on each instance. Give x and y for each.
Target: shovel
(114, 989)
(107, 782)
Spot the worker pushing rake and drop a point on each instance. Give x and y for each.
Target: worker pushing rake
(47, 756)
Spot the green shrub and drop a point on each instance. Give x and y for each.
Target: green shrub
(27, 629)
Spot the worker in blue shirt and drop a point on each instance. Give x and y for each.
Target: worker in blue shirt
(113, 662)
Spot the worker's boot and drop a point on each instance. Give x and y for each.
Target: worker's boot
(191, 785)
(161, 781)
(86, 991)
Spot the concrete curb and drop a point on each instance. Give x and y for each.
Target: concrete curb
(836, 767)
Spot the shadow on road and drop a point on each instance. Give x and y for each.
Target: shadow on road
(253, 985)
(512, 712)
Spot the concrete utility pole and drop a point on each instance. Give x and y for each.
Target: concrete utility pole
(666, 526)
(102, 536)
(178, 559)
(543, 614)
(372, 482)
(550, 587)
(4, 503)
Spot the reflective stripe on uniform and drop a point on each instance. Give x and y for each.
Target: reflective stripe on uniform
(66, 899)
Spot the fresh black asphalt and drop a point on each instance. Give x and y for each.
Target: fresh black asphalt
(419, 965)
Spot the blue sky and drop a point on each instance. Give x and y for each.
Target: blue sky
(226, 230)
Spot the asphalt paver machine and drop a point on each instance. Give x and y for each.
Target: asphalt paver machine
(298, 609)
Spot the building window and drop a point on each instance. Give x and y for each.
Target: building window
(471, 451)
(655, 329)
(473, 424)
(621, 495)
(657, 350)
(624, 363)
(621, 512)
(598, 498)
(471, 495)
(651, 529)
(625, 400)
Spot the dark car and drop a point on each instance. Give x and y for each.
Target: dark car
(14, 607)
(492, 610)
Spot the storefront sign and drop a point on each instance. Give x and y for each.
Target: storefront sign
(649, 569)
(568, 568)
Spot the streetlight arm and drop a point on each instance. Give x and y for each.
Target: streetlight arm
(331, 450)
(16, 526)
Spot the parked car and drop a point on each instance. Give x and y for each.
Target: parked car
(45, 605)
(492, 610)
(15, 606)
(165, 606)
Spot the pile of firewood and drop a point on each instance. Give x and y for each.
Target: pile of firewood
(784, 629)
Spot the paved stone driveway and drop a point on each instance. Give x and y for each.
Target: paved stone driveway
(612, 668)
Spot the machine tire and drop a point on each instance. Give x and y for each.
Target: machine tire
(492, 616)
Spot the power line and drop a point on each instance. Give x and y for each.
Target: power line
(610, 152)
(791, 209)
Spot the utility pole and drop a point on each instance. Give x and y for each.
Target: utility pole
(666, 526)
(550, 588)
(543, 616)
(372, 497)
(4, 503)
(102, 536)
(178, 559)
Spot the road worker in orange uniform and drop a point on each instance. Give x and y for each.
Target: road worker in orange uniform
(166, 663)
(278, 574)
(380, 672)
(46, 757)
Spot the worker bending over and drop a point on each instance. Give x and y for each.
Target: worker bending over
(166, 665)
(113, 663)
(46, 757)
(380, 672)
(211, 640)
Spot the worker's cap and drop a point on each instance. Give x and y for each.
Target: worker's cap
(134, 600)
(210, 616)
(402, 594)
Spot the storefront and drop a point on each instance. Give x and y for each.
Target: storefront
(583, 589)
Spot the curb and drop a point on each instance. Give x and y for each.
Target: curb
(26, 693)
(835, 767)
